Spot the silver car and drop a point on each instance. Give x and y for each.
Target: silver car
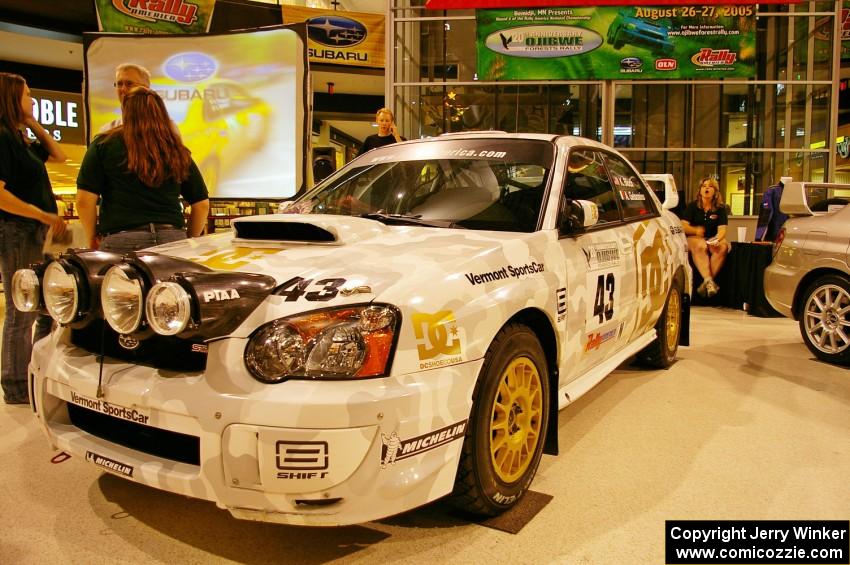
(809, 278)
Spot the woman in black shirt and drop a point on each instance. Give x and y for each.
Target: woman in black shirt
(387, 132)
(704, 222)
(27, 209)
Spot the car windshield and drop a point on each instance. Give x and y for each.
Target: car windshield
(472, 183)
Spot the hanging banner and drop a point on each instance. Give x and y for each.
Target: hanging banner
(481, 4)
(650, 42)
(341, 38)
(154, 16)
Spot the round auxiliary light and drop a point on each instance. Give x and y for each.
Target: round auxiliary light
(26, 290)
(121, 299)
(168, 308)
(61, 296)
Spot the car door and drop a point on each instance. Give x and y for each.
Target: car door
(650, 239)
(601, 268)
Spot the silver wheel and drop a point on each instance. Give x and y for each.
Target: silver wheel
(825, 319)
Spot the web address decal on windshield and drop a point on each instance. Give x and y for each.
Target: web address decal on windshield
(474, 153)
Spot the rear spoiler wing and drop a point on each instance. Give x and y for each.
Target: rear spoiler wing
(811, 198)
(671, 195)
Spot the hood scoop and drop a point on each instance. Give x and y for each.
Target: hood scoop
(317, 229)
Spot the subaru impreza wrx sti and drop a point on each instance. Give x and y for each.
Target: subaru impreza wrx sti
(406, 330)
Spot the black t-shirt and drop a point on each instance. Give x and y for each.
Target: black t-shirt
(710, 220)
(376, 140)
(22, 170)
(126, 202)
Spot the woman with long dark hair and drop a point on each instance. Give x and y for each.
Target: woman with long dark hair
(139, 170)
(27, 209)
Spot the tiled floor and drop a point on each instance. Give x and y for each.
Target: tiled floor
(746, 425)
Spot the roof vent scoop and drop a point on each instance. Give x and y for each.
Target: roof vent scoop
(314, 229)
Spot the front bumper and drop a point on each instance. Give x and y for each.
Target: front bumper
(299, 452)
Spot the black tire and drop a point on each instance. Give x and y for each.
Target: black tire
(825, 319)
(505, 437)
(661, 353)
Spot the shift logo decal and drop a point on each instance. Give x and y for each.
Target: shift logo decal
(178, 11)
(714, 58)
(302, 459)
(439, 340)
(561, 301)
(109, 464)
(394, 448)
(335, 31)
(543, 41)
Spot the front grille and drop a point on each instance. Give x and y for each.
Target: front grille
(158, 351)
(153, 441)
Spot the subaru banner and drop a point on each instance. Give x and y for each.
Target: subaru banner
(353, 39)
(608, 42)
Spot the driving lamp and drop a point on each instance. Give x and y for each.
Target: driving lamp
(61, 295)
(168, 308)
(26, 290)
(121, 300)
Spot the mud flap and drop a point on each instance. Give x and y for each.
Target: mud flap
(685, 330)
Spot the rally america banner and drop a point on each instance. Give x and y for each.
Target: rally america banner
(481, 4)
(341, 38)
(634, 42)
(154, 16)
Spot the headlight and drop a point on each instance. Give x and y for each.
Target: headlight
(121, 299)
(61, 295)
(26, 290)
(168, 308)
(351, 342)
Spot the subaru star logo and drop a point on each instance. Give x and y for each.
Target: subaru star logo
(630, 63)
(335, 31)
(127, 342)
(190, 67)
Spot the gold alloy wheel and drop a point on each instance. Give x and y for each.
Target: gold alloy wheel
(673, 319)
(516, 420)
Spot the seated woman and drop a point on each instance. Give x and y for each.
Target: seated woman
(704, 221)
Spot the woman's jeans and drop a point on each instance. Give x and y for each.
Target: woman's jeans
(21, 244)
(134, 240)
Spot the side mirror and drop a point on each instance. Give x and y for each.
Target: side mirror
(578, 215)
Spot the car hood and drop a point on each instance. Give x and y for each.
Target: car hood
(363, 259)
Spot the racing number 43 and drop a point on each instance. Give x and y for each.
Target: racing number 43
(602, 308)
(296, 287)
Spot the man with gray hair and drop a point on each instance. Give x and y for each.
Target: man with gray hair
(127, 75)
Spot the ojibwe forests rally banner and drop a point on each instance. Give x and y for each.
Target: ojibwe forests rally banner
(341, 38)
(615, 42)
(154, 16)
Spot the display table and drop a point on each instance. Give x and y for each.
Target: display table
(741, 280)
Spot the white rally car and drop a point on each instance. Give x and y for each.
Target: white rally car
(406, 330)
